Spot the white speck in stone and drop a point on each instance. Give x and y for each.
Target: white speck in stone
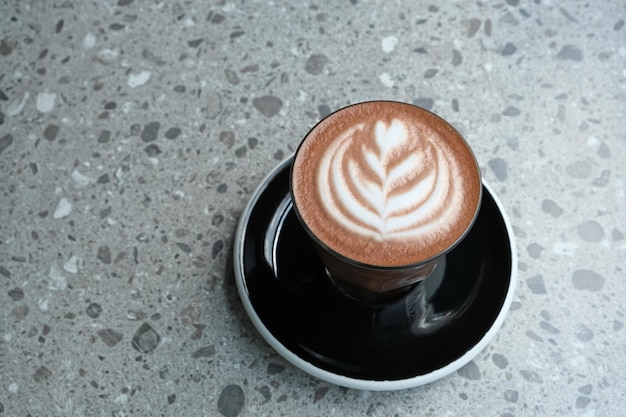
(564, 248)
(385, 78)
(121, 399)
(73, 264)
(389, 43)
(111, 221)
(127, 107)
(178, 194)
(593, 141)
(45, 102)
(89, 41)
(57, 280)
(16, 106)
(80, 180)
(108, 56)
(43, 304)
(8, 337)
(488, 66)
(136, 80)
(153, 161)
(189, 22)
(63, 208)
(13, 387)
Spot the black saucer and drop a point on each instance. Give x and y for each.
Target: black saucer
(433, 330)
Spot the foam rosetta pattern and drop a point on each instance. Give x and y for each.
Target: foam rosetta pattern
(390, 181)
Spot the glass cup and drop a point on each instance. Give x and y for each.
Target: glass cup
(375, 279)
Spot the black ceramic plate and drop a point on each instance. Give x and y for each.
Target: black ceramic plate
(431, 331)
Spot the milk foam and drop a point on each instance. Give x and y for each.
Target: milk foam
(390, 182)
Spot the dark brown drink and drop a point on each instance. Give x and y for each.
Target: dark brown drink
(385, 186)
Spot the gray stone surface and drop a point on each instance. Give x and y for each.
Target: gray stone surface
(133, 133)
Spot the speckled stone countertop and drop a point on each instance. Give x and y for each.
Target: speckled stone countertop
(132, 134)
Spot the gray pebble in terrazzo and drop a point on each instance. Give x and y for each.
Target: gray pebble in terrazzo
(104, 254)
(470, 371)
(618, 25)
(217, 248)
(42, 374)
(579, 169)
(603, 179)
(274, 368)
(146, 339)
(268, 106)
(104, 136)
(536, 284)
(617, 325)
(5, 142)
(231, 401)
(584, 333)
(499, 167)
(617, 235)
(570, 52)
(16, 294)
(551, 207)
(324, 110)
(426, 103)
(457, 58)
(509, 49)
(499, 360)
(531, 376)
(535, 250)
(241, 151)
(582, 401)
(94, 310)
(590, 231)
(150, 131)
(586, 389)
(195, 42)
(110, 337)
(51, 131)
(473, 25)
(549, 327)
(512, 111)
(604, 151)
(204, 352)
(213, 105)
(231, 76)
(227, 137)
(5, 272)
(587, 280)
(511, 396)
(252, 142)
(103, 179)
(184, 247)
(315, 64)
(430, 73)
(172, 133)
(152, 150)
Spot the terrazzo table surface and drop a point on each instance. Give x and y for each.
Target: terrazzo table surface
(132, 134)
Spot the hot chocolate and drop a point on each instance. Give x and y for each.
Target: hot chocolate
(385, 184)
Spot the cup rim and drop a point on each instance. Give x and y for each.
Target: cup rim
(365, 265)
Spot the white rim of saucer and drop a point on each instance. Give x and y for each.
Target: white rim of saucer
(342, 380)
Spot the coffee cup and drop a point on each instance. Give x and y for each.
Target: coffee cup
(384, 190)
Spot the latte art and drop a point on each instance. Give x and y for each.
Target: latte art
(385, 184)
(381, 183)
